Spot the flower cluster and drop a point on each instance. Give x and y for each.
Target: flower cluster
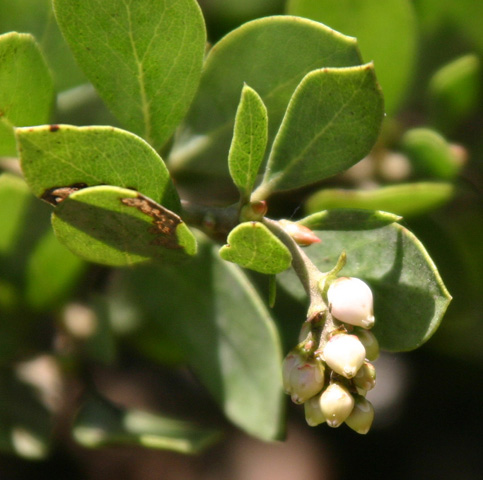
(330, 370)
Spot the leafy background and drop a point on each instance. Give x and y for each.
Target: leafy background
(428, 418)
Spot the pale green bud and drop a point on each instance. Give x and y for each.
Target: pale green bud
(345, 354)
(336, 404)
(313, 412)
(369, 340)
(350, 301)
(362, 416)
(302, 378)
(365, 378)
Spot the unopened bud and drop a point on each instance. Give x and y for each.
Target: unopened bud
(365, 378)
(254, 211)
(313, 412)
(301, 234)
(336, 404)
(369, 340)
(302, 378)
(345, 354)
(350, 301)
(362, 416)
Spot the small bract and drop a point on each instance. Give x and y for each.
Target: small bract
(350, 301)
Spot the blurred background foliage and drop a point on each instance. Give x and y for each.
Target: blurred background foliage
(59, 314)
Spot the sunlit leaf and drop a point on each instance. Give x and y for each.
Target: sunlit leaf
(26, 91)
(144, 58)
(410, 298)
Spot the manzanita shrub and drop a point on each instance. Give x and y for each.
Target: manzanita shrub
(278, 104)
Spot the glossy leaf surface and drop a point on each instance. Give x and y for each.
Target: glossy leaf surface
(332, 122)
(272, 55)
(409, 295)
(144, 58)
(57, 156)
(211, 311)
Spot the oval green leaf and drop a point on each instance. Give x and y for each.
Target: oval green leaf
(410, 298)
(209, 308)
(386, 33)
(272, 55)
(252, 245)
(338, 219)
(455, 91)
(63, 156)
(144, 58)
(430, 154)
(407, 200)
(26, 90)
(332, 122)
(99, 423)
(249, 141)
(115, 226)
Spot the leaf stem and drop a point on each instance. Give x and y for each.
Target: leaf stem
(309, 275)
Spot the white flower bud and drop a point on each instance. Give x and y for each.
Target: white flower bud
(336, 404)
(365, 378)
(302, 378)
(313, 412)
(345, 354)
(350, 301)
(362, 416)
(369, 340)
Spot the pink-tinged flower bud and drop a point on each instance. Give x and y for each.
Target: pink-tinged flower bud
(302, 378)
(336, 404)
(350, 301)
(362, 416)
(365, 378)
(300, 233)
(369, 340)
(345, 354)
(313, 412)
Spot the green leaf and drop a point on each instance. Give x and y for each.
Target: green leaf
(37, 17)
(341, 219)
(116, 226)
(37, 271)
(26, 91)
(331, 123)
(430, 154)
(25, 423)
(410, 298)
(144, 58)
(249, 141)
(60, 156)
(385, 31)
(51, 272)
(272, 55)
(99, 423)
(455, 91)
(211, 310)
(407, 200)
(253, 246)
